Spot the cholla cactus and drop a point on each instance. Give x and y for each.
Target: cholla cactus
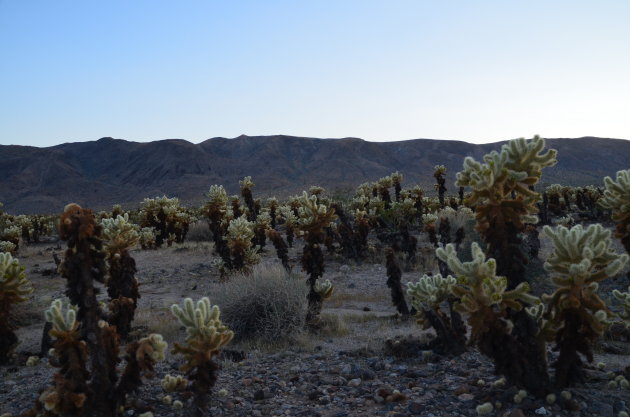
(324, 289)
(174, 383)
(122, 286)
(397, 178)
(69, 395)
(575, 313)
(11, 232)
(624, 299)
(7, 247)
(617, 198)
(167, 216)
(261, 225)
(313, 219)
(439, 173)
(485, 297)
(430, 291)
(206, 335)
(239, 240)
(246, 191)
(119, 234)
(146, 237)
(14, 288)
(290, 223)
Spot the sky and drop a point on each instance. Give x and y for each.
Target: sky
(479, 71)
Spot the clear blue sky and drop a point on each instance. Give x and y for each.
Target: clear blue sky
(380, 70)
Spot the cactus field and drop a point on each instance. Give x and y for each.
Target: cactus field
(488, 294)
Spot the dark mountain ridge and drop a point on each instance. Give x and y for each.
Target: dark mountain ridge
(101, 173)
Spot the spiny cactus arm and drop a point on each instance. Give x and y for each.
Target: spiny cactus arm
(61, 322)
(120, 234)
(617, 195)
(624, 299)
(14, 286)
(430, 291)
(324, 289)
(583, 255)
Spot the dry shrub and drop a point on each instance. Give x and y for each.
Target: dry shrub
(266, 304)
(199, 232)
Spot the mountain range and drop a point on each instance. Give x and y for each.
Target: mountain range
(98, 174)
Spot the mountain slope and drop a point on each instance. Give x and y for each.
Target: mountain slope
(100, 173)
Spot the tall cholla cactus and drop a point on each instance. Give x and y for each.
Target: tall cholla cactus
(428, 296)
(485, 298)
(246, 191)
(439, 172)
(313, 219)
(239, 239)
(14, 288)
(215, 210)
(290, 223)
(122, 286)
(206, 335)
(617, 198)
(503, 199)
(575, 315)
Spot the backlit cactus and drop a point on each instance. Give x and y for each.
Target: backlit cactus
(575, 315)
(173, 383)
(246, 191)
(206, 335)
(14, 288)
(147, 239)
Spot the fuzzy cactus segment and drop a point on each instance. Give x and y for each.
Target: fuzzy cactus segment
(14, 288)
(324, 289)
(119, 234)
(430, 290)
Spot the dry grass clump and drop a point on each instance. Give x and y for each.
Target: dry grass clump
(199, 232)
(267, 303)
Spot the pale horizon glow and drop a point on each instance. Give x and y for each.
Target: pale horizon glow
(73, 71)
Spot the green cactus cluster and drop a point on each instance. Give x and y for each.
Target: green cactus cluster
(624, 299)
(240, 233)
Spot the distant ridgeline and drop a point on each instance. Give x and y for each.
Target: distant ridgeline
(101, 173)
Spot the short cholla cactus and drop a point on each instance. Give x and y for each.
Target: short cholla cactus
(624, 299)
(147, 238)
(14, 288)
(69, 394)
(575, 313)
(617, 198)
(174, 383)
(168, 217)
(239, 237)
(206, 335)
(122, 286)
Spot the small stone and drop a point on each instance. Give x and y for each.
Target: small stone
(465, 397)
(542, 411)
(415, 408)
(517, 413)
(354, 382)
